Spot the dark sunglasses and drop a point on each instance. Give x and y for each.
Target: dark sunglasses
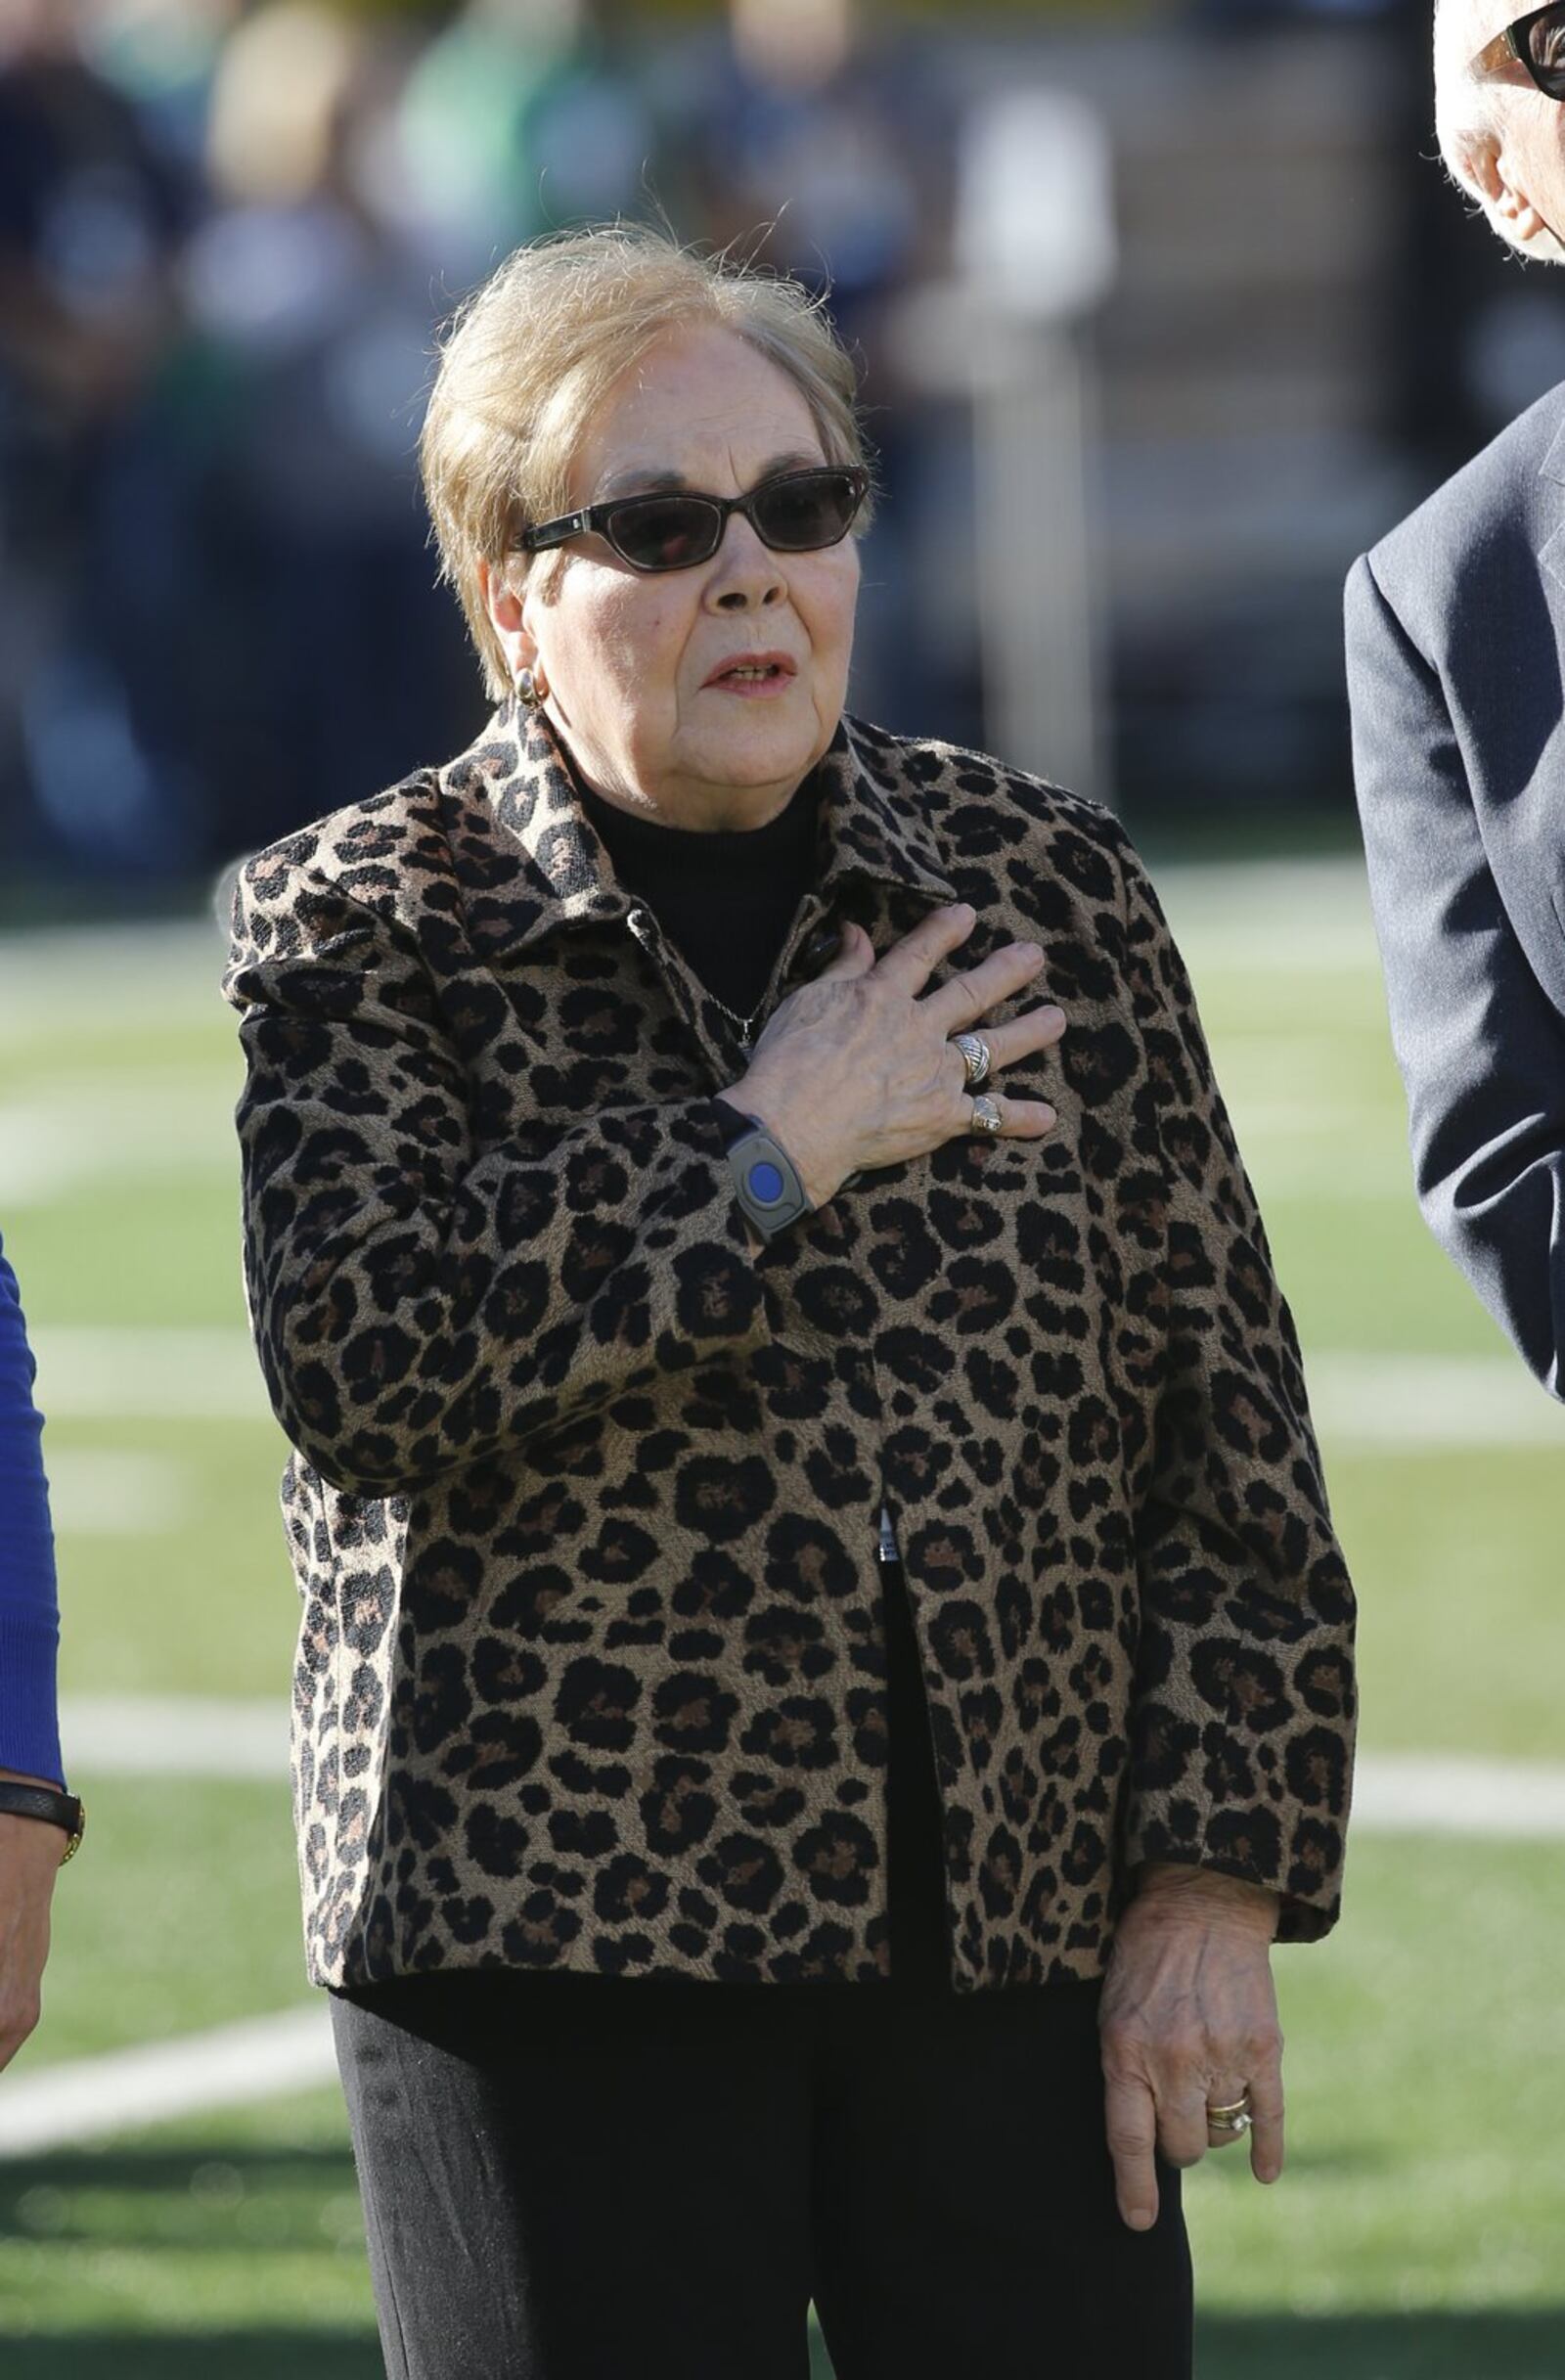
(1537, 40)
(796, 513)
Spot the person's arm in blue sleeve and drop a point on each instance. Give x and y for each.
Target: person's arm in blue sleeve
(30, 1850)
(29, 1614)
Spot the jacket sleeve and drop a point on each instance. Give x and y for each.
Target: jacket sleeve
(29, 1622)
(1480, 1044)
(1242, 1723)
(420, 1302)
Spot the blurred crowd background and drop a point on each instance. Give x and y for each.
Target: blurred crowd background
(1165, 310)
(1195, 261)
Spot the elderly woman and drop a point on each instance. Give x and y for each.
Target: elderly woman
(825, 1664)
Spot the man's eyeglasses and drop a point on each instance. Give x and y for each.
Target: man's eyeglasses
(794, 513)
(1537, 40)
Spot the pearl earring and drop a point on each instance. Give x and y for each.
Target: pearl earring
(529, 688)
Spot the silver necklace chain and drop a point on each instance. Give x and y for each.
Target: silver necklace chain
(746, 1024)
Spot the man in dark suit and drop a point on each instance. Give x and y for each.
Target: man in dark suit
(1457, 679)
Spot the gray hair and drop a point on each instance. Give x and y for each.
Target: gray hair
(1464, 107)
(1469, 119)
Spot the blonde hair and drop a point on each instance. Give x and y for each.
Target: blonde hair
(527, 359)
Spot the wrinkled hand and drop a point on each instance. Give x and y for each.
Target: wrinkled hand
(1189, 2020)
(857, 1069)
(30, 1854)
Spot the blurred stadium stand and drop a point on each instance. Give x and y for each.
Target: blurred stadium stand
(226, 231)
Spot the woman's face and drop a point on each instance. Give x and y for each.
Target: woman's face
(633, 664)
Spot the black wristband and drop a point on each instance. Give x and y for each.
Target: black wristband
(765, 1176)
(736, 1123)
(64, 1810)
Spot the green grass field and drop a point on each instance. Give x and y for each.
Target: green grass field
(1421, 2229)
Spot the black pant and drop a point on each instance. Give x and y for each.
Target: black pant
(592, 2178)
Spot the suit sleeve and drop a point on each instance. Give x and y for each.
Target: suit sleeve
(1480, 1044)
(1242, 1721)
(420, 1303)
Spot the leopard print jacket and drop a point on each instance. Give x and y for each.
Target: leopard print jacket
(583, 1496)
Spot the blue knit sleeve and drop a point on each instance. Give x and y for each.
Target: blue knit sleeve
(30, 1619)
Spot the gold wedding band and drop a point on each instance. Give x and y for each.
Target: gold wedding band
(1230, 2122)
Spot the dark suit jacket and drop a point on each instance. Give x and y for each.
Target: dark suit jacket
(1456, 664)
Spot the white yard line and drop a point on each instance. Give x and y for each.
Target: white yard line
(1430, 1793)
(1412, 1402)
(1269, 916)
(1360, 1400)
(90, 2099)
(48, 1150)
(108, 1374)
(175, 1735)
(57, 975)
(117, 1492)
(1284, 896)
(1394, 1792)
(265, 2057)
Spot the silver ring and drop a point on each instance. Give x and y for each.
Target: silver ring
(985, 1115)
(975, 1057)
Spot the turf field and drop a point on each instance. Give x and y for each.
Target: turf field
(1421, 2229)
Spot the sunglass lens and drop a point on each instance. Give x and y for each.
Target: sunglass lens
(1546, 43)
(806, 509)
(665, 532)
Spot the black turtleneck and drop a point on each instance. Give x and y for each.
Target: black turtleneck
(728, 897)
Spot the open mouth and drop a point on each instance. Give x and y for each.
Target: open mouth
(759, 671)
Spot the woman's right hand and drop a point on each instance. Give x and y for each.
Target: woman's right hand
(855, 1070)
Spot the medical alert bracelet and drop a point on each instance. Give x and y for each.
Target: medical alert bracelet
(765, 1176)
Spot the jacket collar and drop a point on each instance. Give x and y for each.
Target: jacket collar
(1552, 466)
(871, 825)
